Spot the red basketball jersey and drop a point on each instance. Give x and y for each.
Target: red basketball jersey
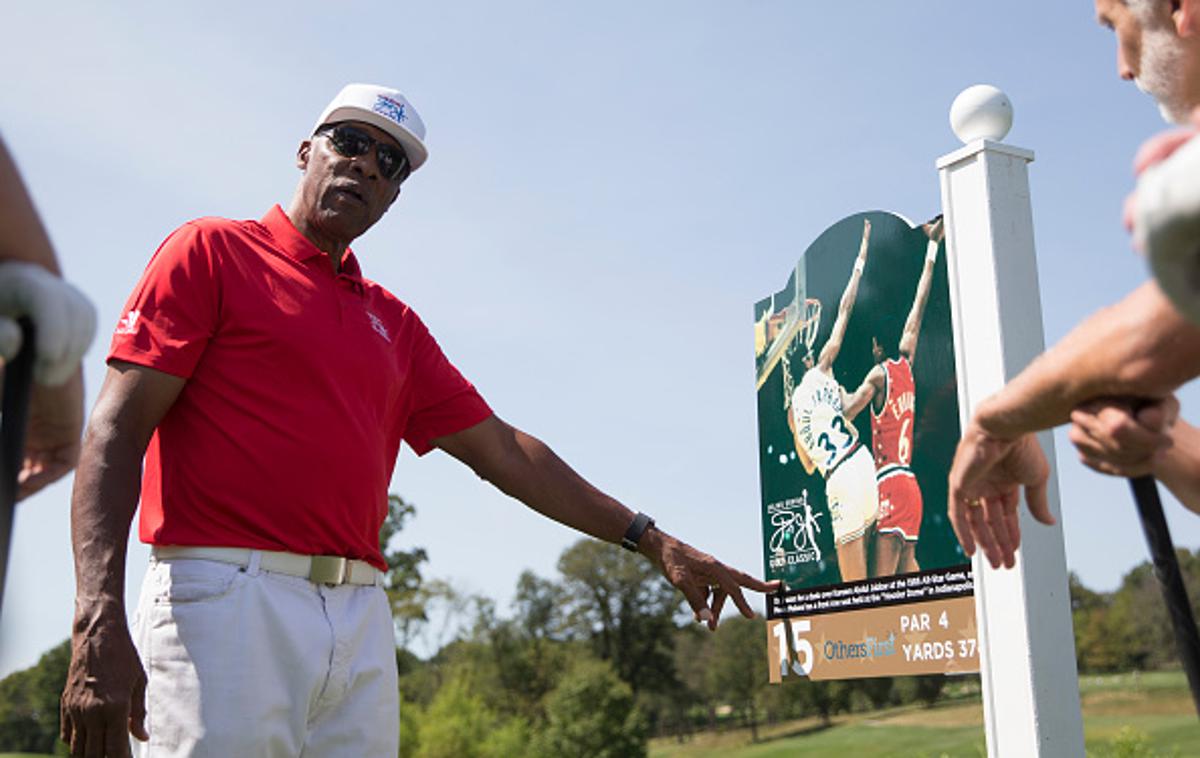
(892, 427)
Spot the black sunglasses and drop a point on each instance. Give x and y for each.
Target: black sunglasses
(352, 142)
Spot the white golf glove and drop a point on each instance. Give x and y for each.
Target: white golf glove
(1167, 225)
(64, 320)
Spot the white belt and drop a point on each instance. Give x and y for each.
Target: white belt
(319, 569)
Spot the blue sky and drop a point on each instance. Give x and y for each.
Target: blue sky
(611, 187)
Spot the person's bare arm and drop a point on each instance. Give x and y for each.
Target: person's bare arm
(912, 325)
(1179, 466)
(103, 701)
(833, 345)
(525, 468)
(24, 238)
(872, 383)
(1139, 348)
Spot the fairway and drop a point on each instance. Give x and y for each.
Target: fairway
(1157, 705)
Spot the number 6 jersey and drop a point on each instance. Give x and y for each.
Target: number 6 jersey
(892, 427)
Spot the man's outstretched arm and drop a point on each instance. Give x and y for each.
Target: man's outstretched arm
(872, 384)
(104, 699)
(1139, 348)
(912, 325)
(833, 345)
(527, 469)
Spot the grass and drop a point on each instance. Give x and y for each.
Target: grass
(1156, 706)
(1155, 710)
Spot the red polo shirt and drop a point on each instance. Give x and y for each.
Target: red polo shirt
(300, 385)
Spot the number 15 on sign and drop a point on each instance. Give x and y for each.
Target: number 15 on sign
(793, 652)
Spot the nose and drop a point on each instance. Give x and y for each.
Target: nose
(366, 164)
(1125, 67)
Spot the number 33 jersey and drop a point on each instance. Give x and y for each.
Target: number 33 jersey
(892, 427)
(821, 426)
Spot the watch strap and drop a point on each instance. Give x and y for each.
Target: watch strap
(637, 528)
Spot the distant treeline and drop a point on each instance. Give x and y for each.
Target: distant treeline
(596, 661)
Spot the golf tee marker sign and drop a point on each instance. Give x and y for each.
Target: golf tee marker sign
(858, 419)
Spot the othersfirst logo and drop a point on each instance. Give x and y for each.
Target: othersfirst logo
(389, 108)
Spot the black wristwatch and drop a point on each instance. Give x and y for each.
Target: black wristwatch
(633, 534)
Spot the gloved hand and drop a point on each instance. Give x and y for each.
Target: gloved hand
(64, 320)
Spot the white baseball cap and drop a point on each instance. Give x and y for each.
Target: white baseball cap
(384, 108)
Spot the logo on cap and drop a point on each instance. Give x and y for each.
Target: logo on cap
(389, 108)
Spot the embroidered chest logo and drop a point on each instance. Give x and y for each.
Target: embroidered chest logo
(379, 327)
(128, 322)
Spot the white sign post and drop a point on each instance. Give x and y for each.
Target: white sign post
(1027, 660)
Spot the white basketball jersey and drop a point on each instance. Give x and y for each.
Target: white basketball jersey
(822, 429)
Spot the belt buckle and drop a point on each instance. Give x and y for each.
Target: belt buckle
(328, 569)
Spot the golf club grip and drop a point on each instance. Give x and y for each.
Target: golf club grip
(14, 407)
(1166, 568)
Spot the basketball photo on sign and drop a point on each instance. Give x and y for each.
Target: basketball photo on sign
(857, 426)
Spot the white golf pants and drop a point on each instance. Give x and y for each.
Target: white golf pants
(248, 663)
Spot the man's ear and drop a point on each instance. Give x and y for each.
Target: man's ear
(302, 155)
(1186, 16)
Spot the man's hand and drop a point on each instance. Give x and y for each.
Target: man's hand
(1114, 439)
(985, 482)
(52, 436)
(705, 582)
(105, 696)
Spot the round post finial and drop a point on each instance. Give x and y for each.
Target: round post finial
(981, 112)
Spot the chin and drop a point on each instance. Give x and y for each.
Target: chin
(1173, 114)
(345, 225)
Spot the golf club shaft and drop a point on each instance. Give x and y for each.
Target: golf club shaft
(1166, 568)
(14, 407)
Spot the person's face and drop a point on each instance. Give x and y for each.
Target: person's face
(1151, 55)
(344, 196)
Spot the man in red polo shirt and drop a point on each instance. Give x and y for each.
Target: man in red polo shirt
(269, 386)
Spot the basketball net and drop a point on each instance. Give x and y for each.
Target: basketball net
(807, 335)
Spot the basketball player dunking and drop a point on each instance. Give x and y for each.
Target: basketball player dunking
(820, 416)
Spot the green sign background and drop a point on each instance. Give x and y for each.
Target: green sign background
(895, 259)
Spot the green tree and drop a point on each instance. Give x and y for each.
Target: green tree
(824, 698)
(619, 601)
(591, 714)
(693, 650)
(403, 580)
(539, 604)
(738, 667)
(410, 728)
(29, 704)
(1140, 604)
(877, 691)
(459, 724)
(929, 688)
